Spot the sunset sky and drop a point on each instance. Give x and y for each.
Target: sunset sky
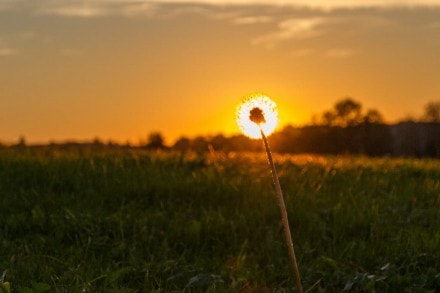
(120, 69)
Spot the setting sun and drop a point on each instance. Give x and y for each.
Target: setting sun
(257, 111)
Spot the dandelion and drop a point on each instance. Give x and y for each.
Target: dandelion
(255, 113)
(257, 117)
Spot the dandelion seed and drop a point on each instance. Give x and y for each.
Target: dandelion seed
(255, 112)
(257, 117)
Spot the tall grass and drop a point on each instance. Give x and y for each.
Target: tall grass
(137, 221)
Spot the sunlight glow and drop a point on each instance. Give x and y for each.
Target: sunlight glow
(252, 106)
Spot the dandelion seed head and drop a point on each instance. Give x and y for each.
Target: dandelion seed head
(256, 115)
(257, 111)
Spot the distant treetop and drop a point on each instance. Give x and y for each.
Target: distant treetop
(348, 112)
(432, 112)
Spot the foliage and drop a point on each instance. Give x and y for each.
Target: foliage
(348, 112)
(432, 112)
(345, 129)
(138, 221)
(155, 141)
(368, 139)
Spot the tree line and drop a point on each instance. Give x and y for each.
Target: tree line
(344, 129)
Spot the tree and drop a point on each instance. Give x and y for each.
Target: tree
(346, 112)
(200, 144)
(432, 112)
(182, 144)
(328, 118)
(219, 142)
(21, 141)
(155, 141)
(373, 116)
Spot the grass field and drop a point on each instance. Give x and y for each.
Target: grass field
(137, 221)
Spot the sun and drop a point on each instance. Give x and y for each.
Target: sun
(257, 111)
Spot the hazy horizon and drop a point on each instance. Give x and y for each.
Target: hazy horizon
(117, 69)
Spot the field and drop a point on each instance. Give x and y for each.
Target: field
(83, 220)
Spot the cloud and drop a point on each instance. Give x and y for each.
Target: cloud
(252, 19)
(317, 4)
(297, 28)
(9, 4)
(433, 25)
(86, 11)
(339, 53)
(8, 52)
(96, 8)
(138, 8)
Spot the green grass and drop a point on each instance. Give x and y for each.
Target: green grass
(137, 221)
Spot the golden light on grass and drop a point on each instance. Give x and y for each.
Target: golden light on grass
(268, 109)
(257, 117)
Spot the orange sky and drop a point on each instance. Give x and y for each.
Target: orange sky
(118, 69)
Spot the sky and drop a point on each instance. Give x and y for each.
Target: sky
(121, 69)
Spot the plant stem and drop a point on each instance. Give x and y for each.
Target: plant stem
(284, 216)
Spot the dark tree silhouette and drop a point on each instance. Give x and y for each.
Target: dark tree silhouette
(155, 141)
(21, 141)
(182, 144)
(373, 116)
(219, 143)
(432, 112)
(200, 144)
(347, 112)
(344, 129)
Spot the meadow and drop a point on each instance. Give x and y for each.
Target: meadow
(127, 220)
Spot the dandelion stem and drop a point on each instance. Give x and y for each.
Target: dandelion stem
(284, 216)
